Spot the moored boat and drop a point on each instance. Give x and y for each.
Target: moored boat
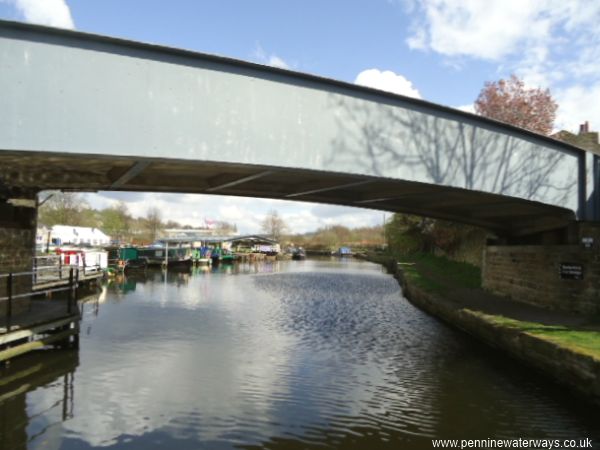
(156, 255)
(227, 258)
(298, 254)
(343, 252)
(201, 256)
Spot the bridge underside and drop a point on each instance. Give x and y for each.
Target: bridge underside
(22, 174)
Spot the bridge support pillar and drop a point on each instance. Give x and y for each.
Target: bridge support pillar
(18, 223)
(555, 276)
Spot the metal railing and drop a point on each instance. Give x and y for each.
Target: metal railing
(48, 268)
(8, 279)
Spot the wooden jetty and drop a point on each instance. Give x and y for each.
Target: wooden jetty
(47, 314)
(49, 272)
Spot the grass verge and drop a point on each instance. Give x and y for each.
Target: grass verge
(580, 340)
(432, 272)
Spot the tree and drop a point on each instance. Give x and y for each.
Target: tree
(224, 228)
(116, 221)
(153, 222)
(273, 225)
(510, 102)
(64, 208)
(408, 234)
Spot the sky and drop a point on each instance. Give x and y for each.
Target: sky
(440, 50)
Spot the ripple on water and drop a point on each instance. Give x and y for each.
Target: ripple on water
(362, 357)
(318, 355)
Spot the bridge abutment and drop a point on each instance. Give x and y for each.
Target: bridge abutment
(17, 248)
(561, 276)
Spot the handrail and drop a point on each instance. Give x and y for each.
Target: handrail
(68, 266)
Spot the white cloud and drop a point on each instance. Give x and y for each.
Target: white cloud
(543, 41)
(54, 13)
(271, 59)
(470, 108)
(276, 61)
(488, 30)
(387, 81)
(578, 104)
(246, 213)
(554, 44)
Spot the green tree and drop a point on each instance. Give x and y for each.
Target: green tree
(408, 234)
(116, 221)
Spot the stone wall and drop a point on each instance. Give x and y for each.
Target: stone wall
(17, 248)
(578, 371)
(530, 273)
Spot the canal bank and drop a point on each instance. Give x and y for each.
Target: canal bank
(564, 347)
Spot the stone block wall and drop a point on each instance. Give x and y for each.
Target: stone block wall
(530, 273)
(17, 248)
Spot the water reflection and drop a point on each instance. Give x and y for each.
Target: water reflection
(283, 354)
(23, 422)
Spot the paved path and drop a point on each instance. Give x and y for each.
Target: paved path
(488, 303)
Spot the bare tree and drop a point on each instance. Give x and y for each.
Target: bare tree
(274, 225)
(64, 208)
(153, 222)
(224, 228)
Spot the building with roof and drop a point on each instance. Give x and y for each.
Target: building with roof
(585, 139)
(71, 235)
(251, 242)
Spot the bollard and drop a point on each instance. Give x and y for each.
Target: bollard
(70, 298)
(76, 285)
(9, 294)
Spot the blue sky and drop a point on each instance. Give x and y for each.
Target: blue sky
(439, 50)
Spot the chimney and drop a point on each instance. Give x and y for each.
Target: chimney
(584, 128)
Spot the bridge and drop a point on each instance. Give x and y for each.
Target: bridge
(87, 113)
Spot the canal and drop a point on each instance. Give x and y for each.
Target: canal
(289, 354)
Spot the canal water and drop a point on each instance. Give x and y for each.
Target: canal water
(281, 355)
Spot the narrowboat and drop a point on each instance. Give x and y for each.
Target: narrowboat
(298, 254)
(164, 256)
(343, 252)
(125, 259)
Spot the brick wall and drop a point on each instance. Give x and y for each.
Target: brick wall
(530, 273)
(17, 247)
